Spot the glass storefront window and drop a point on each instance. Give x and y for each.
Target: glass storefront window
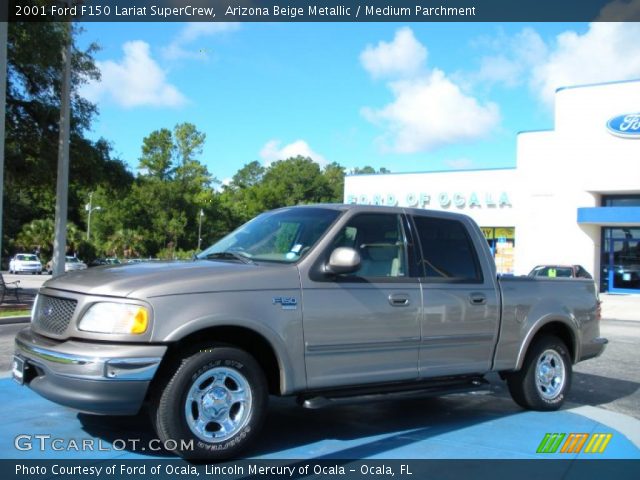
(502, 241)
(620, 260)
(621, 201)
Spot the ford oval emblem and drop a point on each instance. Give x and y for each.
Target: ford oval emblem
(627, 125)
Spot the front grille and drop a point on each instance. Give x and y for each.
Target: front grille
(53, 314)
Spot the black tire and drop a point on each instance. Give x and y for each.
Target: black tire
(178, 416)
(549, 356)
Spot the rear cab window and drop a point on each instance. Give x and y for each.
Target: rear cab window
(448, 253)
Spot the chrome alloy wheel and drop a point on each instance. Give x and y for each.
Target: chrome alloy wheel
(550, 374)
(218, 404)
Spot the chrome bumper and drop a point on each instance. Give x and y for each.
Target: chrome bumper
(95, 378)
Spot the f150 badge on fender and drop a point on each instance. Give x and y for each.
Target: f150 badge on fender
(287, 303)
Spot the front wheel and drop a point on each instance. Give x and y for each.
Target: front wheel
(213, 405)
(545, 377)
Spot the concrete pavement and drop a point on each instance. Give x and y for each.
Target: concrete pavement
(620, 307)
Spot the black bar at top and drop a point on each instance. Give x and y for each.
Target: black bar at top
(320, 10)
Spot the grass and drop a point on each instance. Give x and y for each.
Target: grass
(22, 312)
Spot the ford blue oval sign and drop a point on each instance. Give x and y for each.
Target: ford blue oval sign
(627, 125)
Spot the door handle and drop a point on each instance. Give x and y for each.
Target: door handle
(477, 299)
(399, 299)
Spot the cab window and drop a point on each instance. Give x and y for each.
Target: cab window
(379, 239)
(447, 251)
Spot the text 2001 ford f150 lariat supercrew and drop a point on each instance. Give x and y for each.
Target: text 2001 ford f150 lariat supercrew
(329, 303)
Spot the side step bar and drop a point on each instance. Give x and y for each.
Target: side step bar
(369, 393)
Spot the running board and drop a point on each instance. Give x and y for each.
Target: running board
(369, 393)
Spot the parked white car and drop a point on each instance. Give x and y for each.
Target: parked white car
(70, 264)
(25, 263)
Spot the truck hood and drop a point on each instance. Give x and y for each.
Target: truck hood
(153, 279)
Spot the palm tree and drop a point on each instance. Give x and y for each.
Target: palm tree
(74, 237)
(125, 242)
(39, 235)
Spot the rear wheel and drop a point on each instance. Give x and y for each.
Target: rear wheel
(212, 405)
(545, 377)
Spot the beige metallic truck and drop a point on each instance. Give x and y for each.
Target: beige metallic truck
(329, 303)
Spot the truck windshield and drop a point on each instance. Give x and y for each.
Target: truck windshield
(282, 236)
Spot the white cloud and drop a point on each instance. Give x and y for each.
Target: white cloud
(606, 52)
(402, 57)
(429, 109)
(272, 152)
(517, 56)
(429, 113)
(136, 80)
(177, 49)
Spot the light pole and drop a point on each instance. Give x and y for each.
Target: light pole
(3, 99)
(90, 208)
(200, 228)
(62, 179)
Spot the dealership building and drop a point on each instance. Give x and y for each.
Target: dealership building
(572, 198)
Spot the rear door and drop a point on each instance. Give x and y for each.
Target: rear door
(461, 307)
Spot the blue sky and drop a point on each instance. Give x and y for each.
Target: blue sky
(408, 97)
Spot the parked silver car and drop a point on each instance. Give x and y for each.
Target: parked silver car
(70, 264)
(25, 263)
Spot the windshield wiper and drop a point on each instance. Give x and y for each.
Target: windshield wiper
(229, 254)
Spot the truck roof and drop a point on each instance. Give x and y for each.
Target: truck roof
(382, 208)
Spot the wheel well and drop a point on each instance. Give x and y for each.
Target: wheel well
(242, 338)
(563, 332)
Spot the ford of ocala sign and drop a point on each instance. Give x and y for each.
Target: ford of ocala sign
(627, 125)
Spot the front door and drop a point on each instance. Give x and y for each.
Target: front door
(364, 327)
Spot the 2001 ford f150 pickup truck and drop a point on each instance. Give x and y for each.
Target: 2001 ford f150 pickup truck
(326, 302)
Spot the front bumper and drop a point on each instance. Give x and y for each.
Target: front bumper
(28, 269)
(96, 378)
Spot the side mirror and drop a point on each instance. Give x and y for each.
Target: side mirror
(343, 260)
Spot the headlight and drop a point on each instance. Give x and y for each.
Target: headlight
(107, 317)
